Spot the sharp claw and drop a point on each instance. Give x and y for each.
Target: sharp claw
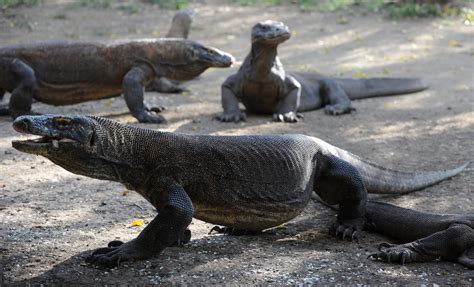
(383, 245)
(114, 243)
(215, 228)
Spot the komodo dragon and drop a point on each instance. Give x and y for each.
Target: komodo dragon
(180, 26)
(61, 73)
(263, 86)
(427, 236)
(242, 182)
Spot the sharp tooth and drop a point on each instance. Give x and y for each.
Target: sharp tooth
(56, 143)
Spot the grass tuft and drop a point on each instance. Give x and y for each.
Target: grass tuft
(169, 4)
(4, 4)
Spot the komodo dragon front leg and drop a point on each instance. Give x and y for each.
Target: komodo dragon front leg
(133, 88)
(339, 182)
(167, 227)
(289, 105)
(230, 101)
(456, 239)
(22, 95)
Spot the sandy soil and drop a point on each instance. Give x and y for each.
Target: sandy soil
(51, 219)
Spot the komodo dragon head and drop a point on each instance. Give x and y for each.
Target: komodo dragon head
(270, 32)
(186, 59)
(85, 145)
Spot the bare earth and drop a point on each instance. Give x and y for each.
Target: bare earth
(51, 219)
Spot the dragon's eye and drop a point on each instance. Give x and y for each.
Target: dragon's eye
(211, 52)
(61, 121)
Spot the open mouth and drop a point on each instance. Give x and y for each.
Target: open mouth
(44, 141)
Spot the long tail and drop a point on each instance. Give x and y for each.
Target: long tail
(181, 23)
(378, 179)
(375, 87)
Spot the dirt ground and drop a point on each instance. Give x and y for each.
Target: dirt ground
(51, 219)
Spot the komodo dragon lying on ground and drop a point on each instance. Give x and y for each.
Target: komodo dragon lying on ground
(70, 73)
(242, 182)
(180, 26)
(263, 86)
(427, 236)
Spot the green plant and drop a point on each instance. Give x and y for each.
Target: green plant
(129, 8)
(96, 3)
(169, 4)
(409, 10)
(11, 3)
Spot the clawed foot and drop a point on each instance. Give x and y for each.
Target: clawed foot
(232, 231)
(349, 229)
(403, 253)
(118, 252)
(151, 117)
(231, 117)
(157, 109)
(335, 110)
(290, 117)
(184, 239)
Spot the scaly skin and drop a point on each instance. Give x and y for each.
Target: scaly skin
(242, 182)
(61, 73)
(264, 87)
(426, 236)
(180, 26)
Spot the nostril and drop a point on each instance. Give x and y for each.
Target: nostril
(21, 125)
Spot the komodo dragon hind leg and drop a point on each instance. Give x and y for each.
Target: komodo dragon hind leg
(339, 182)
(336, 99)
(446, 244)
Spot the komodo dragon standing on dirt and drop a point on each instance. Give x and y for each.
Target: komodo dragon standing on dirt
(180, 26)
(427, 236)
(61, 73)
(242, 182)
(263, 86)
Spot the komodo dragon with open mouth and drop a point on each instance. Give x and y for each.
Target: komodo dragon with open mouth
(264, 87)
(62, 73)
(244, 182)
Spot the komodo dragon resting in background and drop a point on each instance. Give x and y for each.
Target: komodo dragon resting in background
(242, 182)
(263, 86)
(180, 26)
(69, 73)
